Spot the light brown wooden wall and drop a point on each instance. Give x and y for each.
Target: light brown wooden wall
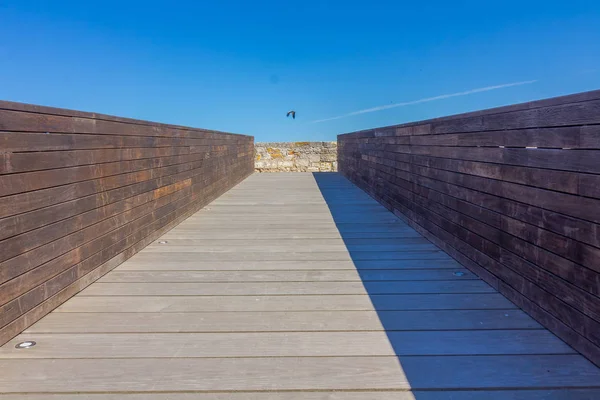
(81, 192)
(527, 220)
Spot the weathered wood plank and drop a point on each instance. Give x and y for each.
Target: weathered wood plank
(555, 394)
(266, 247)
(190, 262)
(285, 288)
(303, 373)
(116, 304)
(459, 274)
(289, 344)
(344, 255)
(274, 321)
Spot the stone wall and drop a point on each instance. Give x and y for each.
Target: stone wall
(295, 157)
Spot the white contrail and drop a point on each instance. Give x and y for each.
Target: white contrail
(441, 97)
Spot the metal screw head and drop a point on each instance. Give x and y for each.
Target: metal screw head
(459, 273)
(25, 345)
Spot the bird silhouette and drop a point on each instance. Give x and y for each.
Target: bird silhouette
(292, 113)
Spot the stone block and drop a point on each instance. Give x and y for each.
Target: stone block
(325, 167)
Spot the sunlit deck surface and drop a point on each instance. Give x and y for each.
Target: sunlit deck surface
(292, 286)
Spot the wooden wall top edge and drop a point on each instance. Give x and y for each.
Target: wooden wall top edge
(32, 108)
(548, 102)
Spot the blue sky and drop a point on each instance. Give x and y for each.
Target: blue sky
(239, 66)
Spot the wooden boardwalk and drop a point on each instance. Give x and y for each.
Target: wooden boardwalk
(292, 286)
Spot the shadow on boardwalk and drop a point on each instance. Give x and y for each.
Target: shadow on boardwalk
(454, 336)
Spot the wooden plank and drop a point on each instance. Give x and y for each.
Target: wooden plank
(303, 373)
(341, 228)
(118, 276)
(190, 262)
(163, 304)
(274, 321)
(433, 255)
(580, 113)
(572, 137)
(565, 160)
(90, 123)
(267, 247)
(289, 344)
(556, 394)
(13, 142)
(285, 288)
(25, 162)
(192, 234)
(473, 121)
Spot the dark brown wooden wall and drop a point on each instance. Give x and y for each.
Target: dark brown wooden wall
(512, 193)
(80, 193)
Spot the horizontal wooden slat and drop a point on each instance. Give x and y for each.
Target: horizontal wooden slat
(577, 113)
(26, 120)
(571, 137)
(190, 262)
(285, 288)
(290, 344)
(322, 373)
(364, 302)
(288, 321)
(26, 142)
(287, 276)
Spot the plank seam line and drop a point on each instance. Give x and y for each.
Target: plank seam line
(42, 332)
(312, 357)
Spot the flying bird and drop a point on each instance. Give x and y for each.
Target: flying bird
(292, 113)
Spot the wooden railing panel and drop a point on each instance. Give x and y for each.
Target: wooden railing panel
(512, 193)
(82, 192)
